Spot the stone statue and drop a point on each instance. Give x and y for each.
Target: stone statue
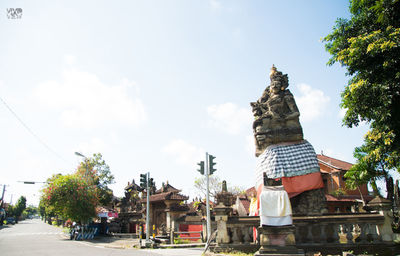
(283, 156)
(276, 114)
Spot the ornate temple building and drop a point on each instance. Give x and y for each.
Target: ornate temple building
(166, 206)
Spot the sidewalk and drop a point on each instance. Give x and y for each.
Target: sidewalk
(112, 242)
(130, 243)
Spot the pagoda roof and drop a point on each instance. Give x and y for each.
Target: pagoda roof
(167, 188)
(133, 186)
(173, 195)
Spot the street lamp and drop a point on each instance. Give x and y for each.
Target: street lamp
(86, 164)
(79, 154)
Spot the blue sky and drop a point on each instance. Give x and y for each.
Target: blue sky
(153, 85)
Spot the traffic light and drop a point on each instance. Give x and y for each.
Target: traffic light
(151, 183)
(201, 165)
(143, 180)
(211, 164)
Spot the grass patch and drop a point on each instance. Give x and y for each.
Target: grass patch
(185, 241)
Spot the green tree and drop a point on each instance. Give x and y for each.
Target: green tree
(16, 210)
(368, 46)
(71, 196)
(98, 172)
(363, 171)
(29, 211)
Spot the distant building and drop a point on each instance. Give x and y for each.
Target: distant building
(339, 198)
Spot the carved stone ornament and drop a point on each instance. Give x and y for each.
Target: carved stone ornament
(276, 114)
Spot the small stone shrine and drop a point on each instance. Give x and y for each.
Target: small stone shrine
(282, 153)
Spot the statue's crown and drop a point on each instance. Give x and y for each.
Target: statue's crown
(273, 71)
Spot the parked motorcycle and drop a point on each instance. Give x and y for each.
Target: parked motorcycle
(74, 232)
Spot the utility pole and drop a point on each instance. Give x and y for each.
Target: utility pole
(148, 210)
(2, 196)
(208, 198)
(145, 184)
(207, 168)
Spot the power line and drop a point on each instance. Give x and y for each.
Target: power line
(31, 132)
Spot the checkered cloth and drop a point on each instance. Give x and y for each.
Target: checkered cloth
(286, 161)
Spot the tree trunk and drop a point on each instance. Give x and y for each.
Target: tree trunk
(375, 188)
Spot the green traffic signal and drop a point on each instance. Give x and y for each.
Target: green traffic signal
(143, 180)
(151, 183)
(201, 165)
(211, 164)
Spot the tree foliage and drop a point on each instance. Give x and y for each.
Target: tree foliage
(30, 211)
(96, 169)
(71, 196)
(368, 46)
(364, 171)
(215, 186)
(17, 209)
(76, 196)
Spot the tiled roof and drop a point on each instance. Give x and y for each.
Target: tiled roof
(167, 188)
(133, 186)
(246, 204)
(166, 196)
(192, 208)
(251, 192)
(179, 208)
(333, 162)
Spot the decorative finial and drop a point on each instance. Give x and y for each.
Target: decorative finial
(224, 187)
(273, 70)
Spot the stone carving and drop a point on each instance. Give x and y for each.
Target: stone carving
(276, 114)
(283, 154)
(224, 197)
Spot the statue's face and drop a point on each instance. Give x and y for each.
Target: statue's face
(275, 86)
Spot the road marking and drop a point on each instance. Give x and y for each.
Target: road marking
(30, 234)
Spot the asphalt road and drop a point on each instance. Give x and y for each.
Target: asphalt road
(35, 238)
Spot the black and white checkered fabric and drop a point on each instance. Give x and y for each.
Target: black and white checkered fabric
(287, 161)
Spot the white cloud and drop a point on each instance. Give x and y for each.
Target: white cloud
(215, 4)
(184, 152)
(90, 147)
(69, 59)
(86, 102)
(230, 118)
(312, 102)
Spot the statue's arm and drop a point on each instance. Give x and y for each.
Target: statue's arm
(265, 96)
(291, 103)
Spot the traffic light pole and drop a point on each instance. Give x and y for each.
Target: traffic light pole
(148, 209)
(208, 198)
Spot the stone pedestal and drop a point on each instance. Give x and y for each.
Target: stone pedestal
(221, 217)
(384, 207)
(278, 240)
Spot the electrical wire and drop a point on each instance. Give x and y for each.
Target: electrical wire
(31, 132)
